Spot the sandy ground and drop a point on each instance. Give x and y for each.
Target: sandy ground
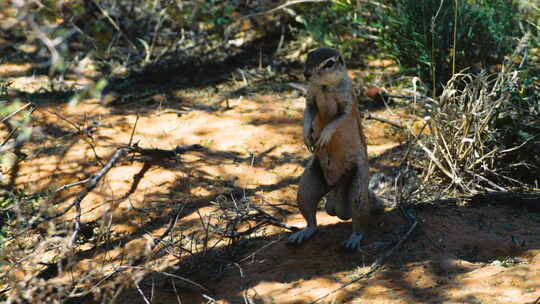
(471, 254)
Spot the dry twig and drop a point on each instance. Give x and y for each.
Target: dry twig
(239, 213)
(92, 181)
(90, 185)
(16, 112)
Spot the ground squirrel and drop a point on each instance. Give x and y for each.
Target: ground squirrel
(339, 165)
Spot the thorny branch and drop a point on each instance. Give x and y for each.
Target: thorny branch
(90, 185)
(92, 181)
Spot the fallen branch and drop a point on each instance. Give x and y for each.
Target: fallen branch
(94, 179)
(274, 221)
(90, 185)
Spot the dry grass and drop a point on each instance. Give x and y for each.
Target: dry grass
(471, 146)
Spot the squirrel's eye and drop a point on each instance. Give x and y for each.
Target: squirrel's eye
(329, 64)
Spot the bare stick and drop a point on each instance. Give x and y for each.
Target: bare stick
(165, 154)
(436, 161)
(247, 299)
(178, 299)
(5, 290)
(260, 249)
(210, 299)
(15, 113)
(71, 185)
(172, 223)
(92, 183)
(301, 87)
(94, 179)
(56, 58)
(10, 135)
(168, 275)
(133, 131)
(235, 235)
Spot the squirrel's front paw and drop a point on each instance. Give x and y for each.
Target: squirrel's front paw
(323, 140)
(308, 141)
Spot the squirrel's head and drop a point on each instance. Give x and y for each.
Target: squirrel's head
(325, 67)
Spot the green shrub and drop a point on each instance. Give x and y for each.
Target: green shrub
(419, 35)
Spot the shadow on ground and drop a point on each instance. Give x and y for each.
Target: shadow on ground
(455, 246)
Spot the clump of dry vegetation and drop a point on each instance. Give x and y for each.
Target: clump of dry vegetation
(482, 132)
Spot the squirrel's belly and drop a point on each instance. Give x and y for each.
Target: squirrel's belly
(342, 151)
(333, 166)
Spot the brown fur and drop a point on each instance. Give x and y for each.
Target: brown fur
(339, 164)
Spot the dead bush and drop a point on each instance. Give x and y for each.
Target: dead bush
(482, 132)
